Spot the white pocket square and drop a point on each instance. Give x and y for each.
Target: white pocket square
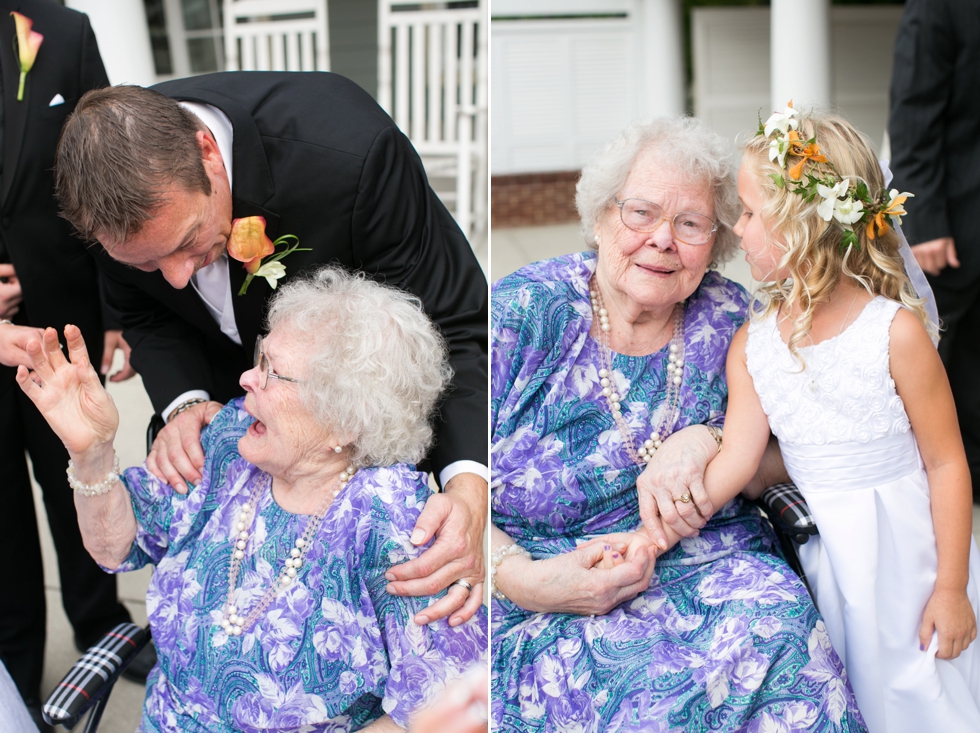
(56, 100)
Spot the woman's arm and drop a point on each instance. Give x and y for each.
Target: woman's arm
(571, 582)
(921, 382)
(71, 398)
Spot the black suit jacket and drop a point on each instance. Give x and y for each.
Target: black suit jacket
(318, 158)
(57, 271)
(934, 126)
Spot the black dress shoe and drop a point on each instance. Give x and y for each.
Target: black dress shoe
(141, 666)
(34, 708)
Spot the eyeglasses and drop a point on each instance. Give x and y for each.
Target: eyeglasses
(645, 216)
(261, 361)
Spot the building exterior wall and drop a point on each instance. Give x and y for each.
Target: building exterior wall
(533, 199)
(354, 41)
(731, 66)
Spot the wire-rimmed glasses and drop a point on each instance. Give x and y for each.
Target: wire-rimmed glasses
(645, 216)
(261, 361)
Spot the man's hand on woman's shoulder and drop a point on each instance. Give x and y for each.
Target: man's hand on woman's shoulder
(457, 519)
(176, 456)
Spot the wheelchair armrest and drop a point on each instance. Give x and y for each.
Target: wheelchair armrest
(93, 675)
(788, 511)
(153, 430)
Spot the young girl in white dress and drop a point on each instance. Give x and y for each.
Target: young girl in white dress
(838, 361)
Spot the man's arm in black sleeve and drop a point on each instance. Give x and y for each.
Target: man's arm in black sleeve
(404, 235)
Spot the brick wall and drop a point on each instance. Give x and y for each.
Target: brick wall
(533, 199)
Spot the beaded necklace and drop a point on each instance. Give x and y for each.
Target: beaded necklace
(675, 370)
(230, 620)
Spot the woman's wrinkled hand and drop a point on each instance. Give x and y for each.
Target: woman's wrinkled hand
(677, 470)
(576, 582)
(68, 394)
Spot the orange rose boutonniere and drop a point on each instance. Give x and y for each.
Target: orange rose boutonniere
(28, 42)
(249, 243)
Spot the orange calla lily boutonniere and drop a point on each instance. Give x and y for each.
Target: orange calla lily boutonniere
(28, 42)
(249, 243)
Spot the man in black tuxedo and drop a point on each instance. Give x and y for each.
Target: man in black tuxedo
(157, 176)
(59, 284)
(934, 126)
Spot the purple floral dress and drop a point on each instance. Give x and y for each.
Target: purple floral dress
(726, 638)
(334, 651)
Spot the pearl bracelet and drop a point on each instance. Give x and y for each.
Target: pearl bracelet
(98, 489)
(498, 557)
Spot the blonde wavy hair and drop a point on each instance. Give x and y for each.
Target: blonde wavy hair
(812, 249)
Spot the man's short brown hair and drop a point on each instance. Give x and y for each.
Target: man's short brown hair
(120, 150)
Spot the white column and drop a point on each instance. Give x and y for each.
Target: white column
(799, 53)
(660, 49)
(124, 39)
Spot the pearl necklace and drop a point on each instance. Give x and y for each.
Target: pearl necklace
(229, 620)
(675, 371)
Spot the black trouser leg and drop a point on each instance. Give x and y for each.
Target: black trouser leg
(22, 608)
(960, 350)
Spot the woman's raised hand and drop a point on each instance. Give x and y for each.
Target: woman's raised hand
(675, 473)
(68, 394)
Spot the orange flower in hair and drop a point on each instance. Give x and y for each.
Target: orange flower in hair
(894, 207)
(808, 151)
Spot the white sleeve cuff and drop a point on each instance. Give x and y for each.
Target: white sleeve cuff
(458, 467)
(194, 394)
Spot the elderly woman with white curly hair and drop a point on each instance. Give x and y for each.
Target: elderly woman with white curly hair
(268, 604)
(607, 391)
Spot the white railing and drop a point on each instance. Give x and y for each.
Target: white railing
(432, 80)
(276, 35)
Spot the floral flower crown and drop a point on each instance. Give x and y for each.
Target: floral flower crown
(849, 203)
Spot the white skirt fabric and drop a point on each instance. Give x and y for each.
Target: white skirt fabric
(873, 571)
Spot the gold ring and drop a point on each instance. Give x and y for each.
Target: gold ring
(685, 497)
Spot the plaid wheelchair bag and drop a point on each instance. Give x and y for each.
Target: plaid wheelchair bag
(85, 681)
(786, 508)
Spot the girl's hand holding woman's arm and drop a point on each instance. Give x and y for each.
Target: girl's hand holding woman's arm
(577, 581)
(69, 395)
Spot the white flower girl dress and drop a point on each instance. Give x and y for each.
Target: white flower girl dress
(847, 444)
